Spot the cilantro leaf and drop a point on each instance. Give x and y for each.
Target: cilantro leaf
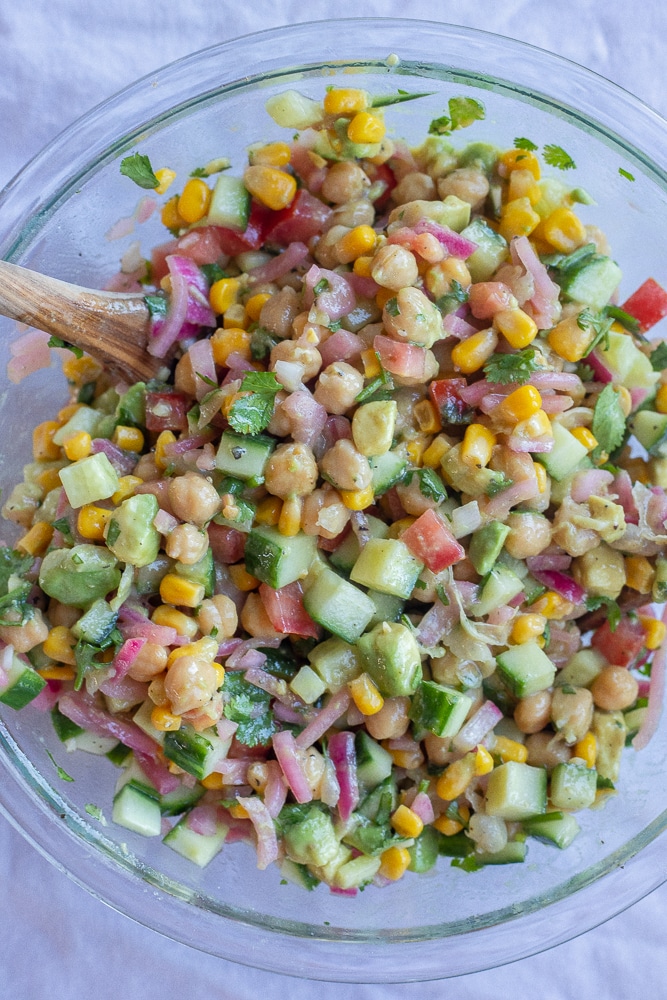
(251, 413)
(440, 126)
(525, 144)
(392, 306)
(626, 173)
(497, 485)
(95, 812)
(599, 325)
(556, 156)
(57, 342)
(379, 382)
(585, 372)
(207, 381)
(157, 305)
(613, 610)
(261, 343)
(658, 357)
(608, 420)
(62, 774)
(14, 607)
(384, 100)
(198, 172)
(213, 272)
(630, 323)
(12, 563)
(249, 706)
(463, 111)
(451, 300)
(507, 368)
(86, 653)
(138, 168)
(321, 286)
(431, 485)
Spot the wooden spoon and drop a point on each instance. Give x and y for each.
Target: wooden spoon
(110, 326)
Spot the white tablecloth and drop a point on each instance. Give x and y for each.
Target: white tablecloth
(59, 58)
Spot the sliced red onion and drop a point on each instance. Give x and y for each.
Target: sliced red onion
(544, 303)
(287, 755)
(268, 641)
(81, 709)
(501, 615)
(164, 522)
(602, 372)
(344, 757)
(422, 805)
(133, 625)
(340, 346)
(285, 714)
(351, 892)
(261, 819)
(203, 364)
(457, 326)
(486, 298)
(478, 726)
(307, 417)
(203, 820)
(234, 771)
(549, 560)
(47, 697)
(499, 506)
(275, 686)
(623, 489)
(437, 622)
(363, 286)
(564, 585)
(337, 705)
(406, 360)
(453, 242)
(198, 310)
(122, 461)
(336, 300)
(166, 331)
(588, 483)
(534, 445)
(285, 262)
(275, 792)
(189, 443)
(251, 662)
(559, 381)
(556, 404)
(474, 394)
(158, 773)
(125, 689)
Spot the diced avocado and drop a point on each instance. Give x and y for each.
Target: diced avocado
(230, 203)
(147, 578)
(610, 731)
(467, 478)
(593, 282)
(499, 587)
(373, 426)
(89, 480)
(526, 669)
(84, 419)
(516, 791)
(491, 250)
(553, 827)
(439, 709)
(244, 456)
(336, 662)
(347, 553)
(650, 429)
(336, 145)
(337, 605)
(486, 545)
(308, 831)
(573, 785)
(390, 655)
(565, 455)
(131, 534)
(20, 684)
(479, 154)
(374, 763)
(130, 410)
(634, 720)
(196, 847)
(298, 874)
(80, 575)
(279, 559)
(387, 565)
(356, 872)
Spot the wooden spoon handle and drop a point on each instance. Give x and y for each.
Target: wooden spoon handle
(111, 326)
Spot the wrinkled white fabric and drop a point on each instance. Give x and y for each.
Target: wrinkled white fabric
(58, 59)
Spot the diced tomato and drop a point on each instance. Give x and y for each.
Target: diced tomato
(431, 541)
(489, 297)
(227, 544)
(622, 646)
(407, 360)
(232, 242)
(300, 221)
(202, 246)
(447, 401)
(383, 175)
(286, 611)
(648, 304)
(166, 411)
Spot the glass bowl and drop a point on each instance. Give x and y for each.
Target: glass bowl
(53, 217)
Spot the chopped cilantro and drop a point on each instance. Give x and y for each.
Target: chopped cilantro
(138, 168)
(525, 144)
(599, 325)
(157, 304)
(463, 111)
(14, 609)
(57, 342)
(431, 485)
(468, 864)
(249, 706)
(384, 100)
(507, 368)
(206, 380)
(251, 413)
(626, 173)
(556, 156)
(596, 601)
(62, 774)
(12, 563)
(658, 357)
(86, 653)
(451, 300)
(392, 306)
(212, 272)
(261, 343)
(86, 393)
(546, 635)
(63, 526)
(497, 485)
(442, 594)
(585, 372)
(198, 172)
(630, 323)
(95, 812)
(383, 381)
(608, 420)
(321, 286)
(113, 531)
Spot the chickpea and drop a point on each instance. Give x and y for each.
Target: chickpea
(191, 681)
(438, 749)
(25, 637)
(325, 252)
(194, 498)
(412, 498)
(572, 713)
(414, 187)
(291, 471)
(258, 776)
(254, 618)
(62, 614)
(303, 354)
(413, 318)
(219, 613)
(338, 387)
(354, 213)
(156, 691)
(278, 313)
(394, 267)
(614, 689)
(324, 514)
(533, 713)
(546, 749)
(187, 544)
(391, 721)
(149, 662)
(146, 468)
(345, 181)
(345, 467)
(467, 183)
(529, 535)
(185, 378)
(280, 424)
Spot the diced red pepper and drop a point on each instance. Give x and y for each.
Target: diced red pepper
(447, 401)
(622, 646)
(166, 411)
(300, 221)
(286, 612)
(648, 304)
(431, 541)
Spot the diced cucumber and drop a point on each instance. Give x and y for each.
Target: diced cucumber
(457, 845)
(387, 565)
(514, 852)
(629, 366)
(593, 283)
(197, 753)
(573, 785)
(230, 203)
(516, 791)
(347, 553)
(553, 827)
(133, 775)
(387, 470)
(244, 456)
(440, 710)
(337, 605)
(89, 480)
(526, 669)
(357, 872)
(142, 718)
(380, 802)
(80, 575)
(131, 534)
(491, 250)
(374, 763)
(279, 559)
(83, 419)
(650, 429)
(196, 847)
(20, 684)
(97, 624)
(136, 811)
(565, 455)
(634, 720)
(201, 572)
(388, 608)
(90, 743)
(181, 798)
(290, 109)
(307, 685)
(390, 655)
(500, 586)
(336, 662)
(581, 669)
(65, 729)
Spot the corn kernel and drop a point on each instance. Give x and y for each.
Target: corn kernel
(253, 306)
(416, 447)
(362, 266)
(517, 218)
(585, 437)
(522, 184)
(169, 216)
(55, 673)
(78, 446)
(536, 426)
(206, 647)
(92, 520)
(213, 781)
(289, 521)
(273, 154)
(586, 749)
(365, 695)
(175, 589)
(383, 296)
(518, 328)
(436, 451)
(427, 417)
(194, 201)
(406, 822)
(345, 101)
(471, 354)
(59, 645)
(569, 340)
(166, 178)
(456, 777)
(81, 370)
(127, 486)
(43, 448)
(563, 230)
(178, 620)
(356, 243)
(438, 277)
(521, 404)
(552, 605)
(661, 399)
(68, 412)
(272, 187)
(36, 541)
(519, 159)
(540, 476)
(483, 761)
(508, 749)
(164, 720)
(268, 510)
(366, 127)
(527, 627)
(394, 863)
(655, 631)
(448, 827)
(49, 480)
(238, 811)
(230, 341)
(358, 499)
(128, 438)
(236, 318)
(223, 294)
(477, 446)
(241, 579)
(371, 364)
